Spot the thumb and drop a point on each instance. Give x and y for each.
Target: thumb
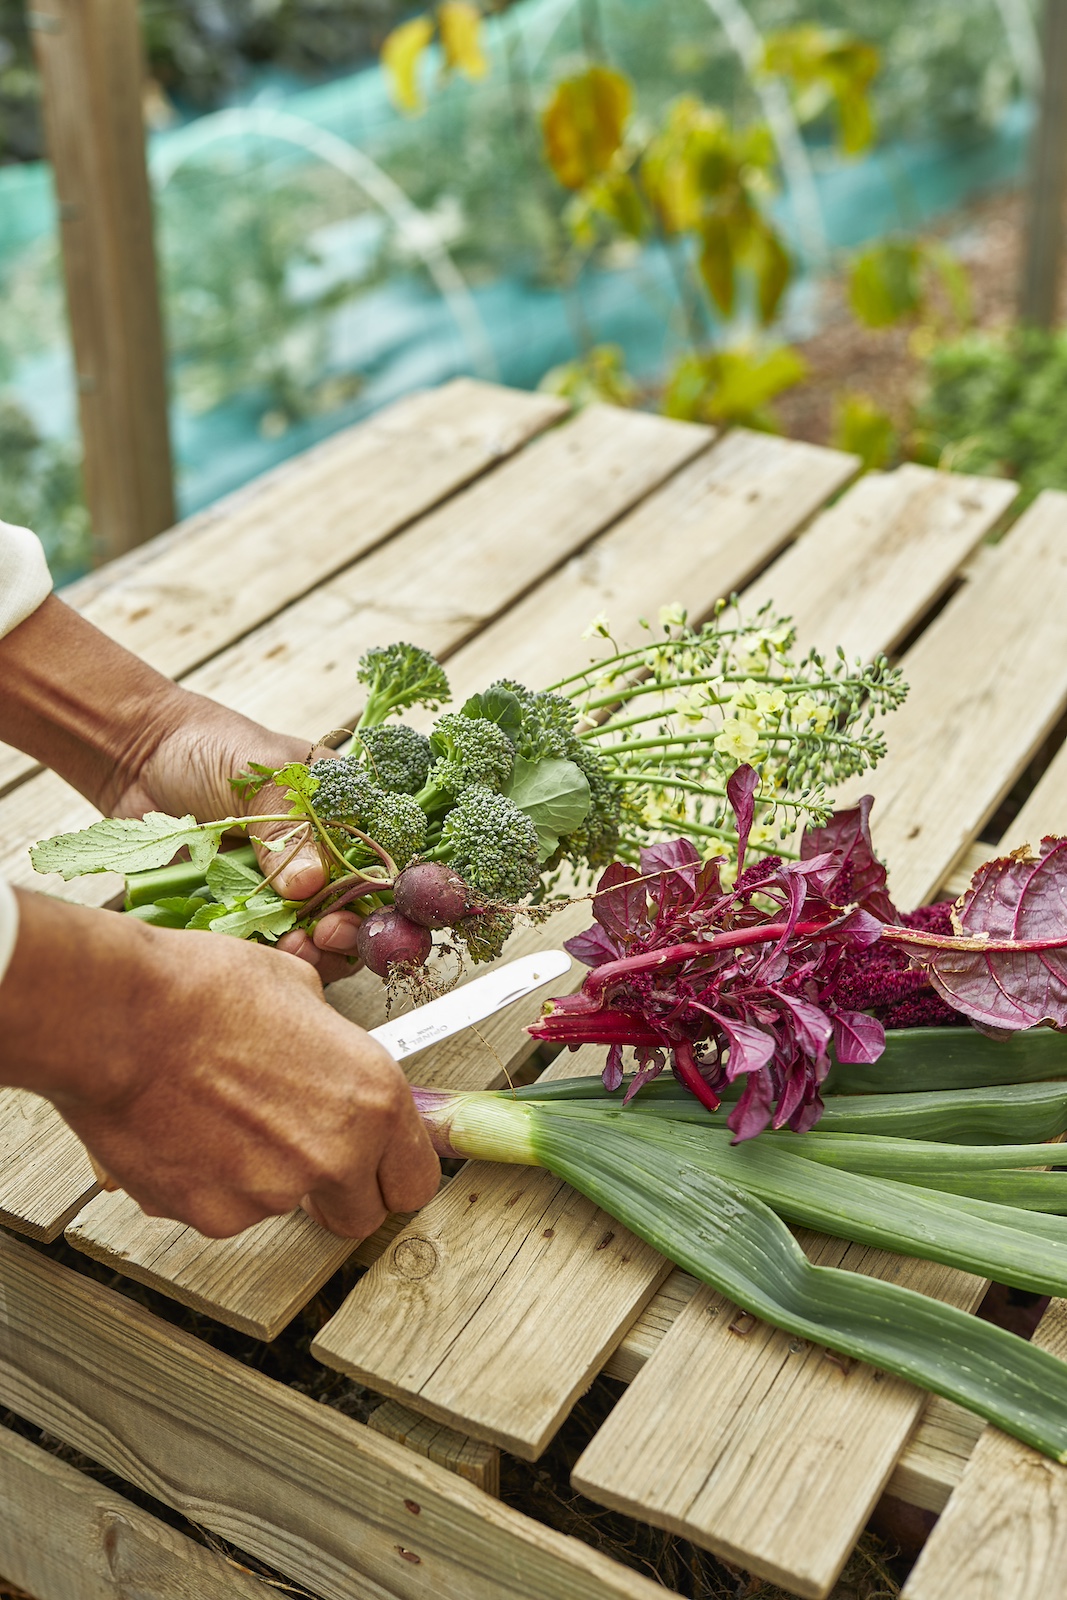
(303, 871)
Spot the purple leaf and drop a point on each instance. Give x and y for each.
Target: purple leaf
(593, 947)
(741, 793)
(813, 1026)
(859, 877)
(750, 1048)
(620, 904)
(612, 1074)
(752, 1112)
(1008, 967)
(650, 1064)
(858, 1038)
(676, 855)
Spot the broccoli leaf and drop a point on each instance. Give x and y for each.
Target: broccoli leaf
(264, 914)
(554, 794)
(229, 880)
(126, 845)
(499, 706)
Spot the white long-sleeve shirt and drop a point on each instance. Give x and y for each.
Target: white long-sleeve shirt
(24, 582)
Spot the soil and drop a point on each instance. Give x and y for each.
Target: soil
(886, 364)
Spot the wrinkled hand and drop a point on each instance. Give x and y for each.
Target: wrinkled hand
(210, 1078)
(188, 768)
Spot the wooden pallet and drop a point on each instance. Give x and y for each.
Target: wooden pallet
(474, 522)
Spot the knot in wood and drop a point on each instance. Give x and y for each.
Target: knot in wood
(414, 1257)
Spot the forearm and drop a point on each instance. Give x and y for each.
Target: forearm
(77, 979)
(80, 703)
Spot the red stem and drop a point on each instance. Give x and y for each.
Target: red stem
(612, 971)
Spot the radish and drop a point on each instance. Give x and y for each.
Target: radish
(386, 939)
(431, 894)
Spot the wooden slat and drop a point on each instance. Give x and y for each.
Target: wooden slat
(988, 682)
(258, 1281)
(314, 1494)
(441, 582)
(1004, 1532)
(734, 1433)
(1044, 813)
(63, 1536)
(45, 1175)
(437, 584)
(928, 1468)
(468, 1458)
(462, 1312)
(191, 592)
(704, 534)
(891, 539)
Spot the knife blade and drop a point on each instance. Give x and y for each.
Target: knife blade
(480, 998)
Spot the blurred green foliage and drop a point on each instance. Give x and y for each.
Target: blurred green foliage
(40, 488)
(998, 406)
(863, 429)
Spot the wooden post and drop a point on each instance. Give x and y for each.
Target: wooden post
(91, 62)
(1043, 238)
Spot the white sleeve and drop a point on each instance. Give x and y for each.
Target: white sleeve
(24, 582)
(24, 577)
(9, 926)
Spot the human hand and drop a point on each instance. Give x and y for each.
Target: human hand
(198, 747)
(210, 1079)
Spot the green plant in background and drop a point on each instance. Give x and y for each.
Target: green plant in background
(600, 375)
(41, 488)
(249, 297)
(904, 278)
(830, 70)
(998, 405)
(863, 429)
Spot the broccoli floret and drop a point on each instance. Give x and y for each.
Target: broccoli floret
(399, 676)
(346, 791)
(469, 750)
(398, 823)
(548, 721)
(485, 936)
(398, 756)
(491, 843)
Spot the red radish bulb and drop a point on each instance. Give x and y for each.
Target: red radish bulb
(431, 894)
(386, 939)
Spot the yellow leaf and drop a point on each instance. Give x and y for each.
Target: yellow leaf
(401, 54)
(584, 123)
(460, 27)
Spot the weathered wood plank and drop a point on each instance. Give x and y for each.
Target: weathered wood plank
(63, 1536)
(316, 1495)
(468, 1458)
(928, 1468)
(704, 534)
(1044, 813)
(191, 592)
(746, 1439)
(988, 682)
(258, 1281)
(894, 538)
(45, 1174)
(1004, 1531)
(460, 1314)
(444, 579)
(437, 584)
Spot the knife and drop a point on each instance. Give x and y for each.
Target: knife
(480, 998)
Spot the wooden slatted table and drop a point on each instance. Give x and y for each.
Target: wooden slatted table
(490, 527)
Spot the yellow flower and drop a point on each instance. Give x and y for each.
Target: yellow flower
(769, 702)
(737, 739)
(673, 616)
(599, 628)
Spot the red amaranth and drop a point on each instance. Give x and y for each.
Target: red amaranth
(879, 979)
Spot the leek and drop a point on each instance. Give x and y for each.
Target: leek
(658, 1180)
